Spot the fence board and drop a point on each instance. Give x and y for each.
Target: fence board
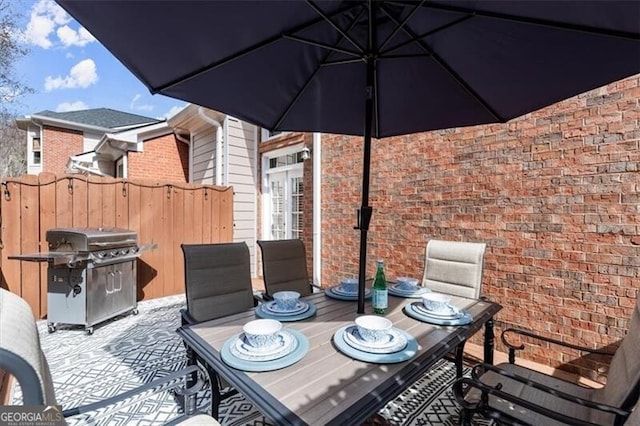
(30, 239)
(163, 213)
(178, 235)
(47, 221)
(78, 188)
(121, 204)
(11, 241)
(64, 204)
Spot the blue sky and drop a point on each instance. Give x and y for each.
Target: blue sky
(70, 70)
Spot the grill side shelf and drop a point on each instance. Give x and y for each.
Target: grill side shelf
(57, 258)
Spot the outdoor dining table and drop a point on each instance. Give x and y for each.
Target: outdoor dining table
(327, 387)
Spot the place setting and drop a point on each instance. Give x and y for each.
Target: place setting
(407, 287)
(373, 338)
(346, 290)
(436, 308)
(264, 345)
(286, 306)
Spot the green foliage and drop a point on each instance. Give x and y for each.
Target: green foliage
(13, 150)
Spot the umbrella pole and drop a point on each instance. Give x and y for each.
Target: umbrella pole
(365, 212)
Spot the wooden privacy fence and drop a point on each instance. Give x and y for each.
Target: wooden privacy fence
(167, 214)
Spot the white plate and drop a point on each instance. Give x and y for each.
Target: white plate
(403, 292)
(273, 308)
(339, 290)
(243, 350)
(452, 313)
(395, 341)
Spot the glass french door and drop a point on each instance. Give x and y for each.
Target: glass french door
(286, 192)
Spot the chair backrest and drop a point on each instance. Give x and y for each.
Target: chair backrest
(454, 267)
(284, 266)
(623, 377)
(20, 351)
(217, 279)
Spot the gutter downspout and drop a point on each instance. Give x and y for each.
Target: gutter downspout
(190, 145)
(217, 125)
(317, 209)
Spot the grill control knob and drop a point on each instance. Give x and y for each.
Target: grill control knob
(102, 254)
(114, 253)
(124, 251)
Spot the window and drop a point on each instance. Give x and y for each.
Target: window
(269, 134)
(120, 168)
(285, 160)
(37, 150)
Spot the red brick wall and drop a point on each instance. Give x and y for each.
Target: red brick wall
(554, 194)
(57, 146)
(164, 158)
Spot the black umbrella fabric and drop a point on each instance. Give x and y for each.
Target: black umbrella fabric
(371, 68)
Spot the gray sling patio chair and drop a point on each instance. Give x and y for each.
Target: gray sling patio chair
(217, 284)
(217, 281)
(22, 357)
(514, 394)
(284, 266)
(455, 268)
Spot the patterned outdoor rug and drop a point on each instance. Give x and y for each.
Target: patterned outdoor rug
(135, 349)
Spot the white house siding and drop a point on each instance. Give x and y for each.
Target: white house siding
(90, 140)
(242, 175)
(203, 161)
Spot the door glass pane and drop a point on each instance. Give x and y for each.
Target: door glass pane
(297, 190)
(278, 230)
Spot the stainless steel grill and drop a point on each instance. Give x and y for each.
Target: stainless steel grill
(91, 275)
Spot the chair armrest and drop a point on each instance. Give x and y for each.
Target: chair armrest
(513, 348)
(259, 297)
(170, 381)
(462, 386)
(186, 317)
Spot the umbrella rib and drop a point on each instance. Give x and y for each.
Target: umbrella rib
(535, 21)
(321, 45)
(315, 72)
(449, 70)
(193, 74)
(341, 62)
(427, 34)
(334, 25)
(399, 27)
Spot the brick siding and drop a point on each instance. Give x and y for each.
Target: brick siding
(164, 158)
(554, 194)
(57, 146)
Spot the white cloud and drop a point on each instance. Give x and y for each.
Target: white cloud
(70, 37)
(69, 55)
(48, 18)
(174, 110)
(81, 75)
(145, 107)
(71, 106)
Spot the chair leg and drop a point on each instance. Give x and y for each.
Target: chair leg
(465, 417)
(459, 352)
(215, 391)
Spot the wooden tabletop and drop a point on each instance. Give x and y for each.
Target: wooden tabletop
(327, 387)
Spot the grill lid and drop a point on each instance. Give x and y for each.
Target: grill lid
(89, 239)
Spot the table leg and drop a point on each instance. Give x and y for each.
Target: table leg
(489, 341)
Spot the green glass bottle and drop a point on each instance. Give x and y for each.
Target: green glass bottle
(380, 301)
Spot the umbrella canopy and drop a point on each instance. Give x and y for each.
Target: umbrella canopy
(371, 68)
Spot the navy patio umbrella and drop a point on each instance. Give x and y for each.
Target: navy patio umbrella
(370, 68)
